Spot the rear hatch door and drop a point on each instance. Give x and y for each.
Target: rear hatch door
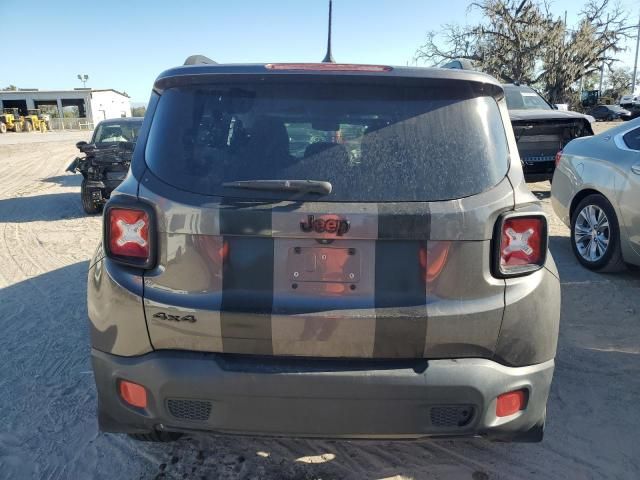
(393, 262)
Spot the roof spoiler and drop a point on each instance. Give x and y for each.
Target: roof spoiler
(199, 60)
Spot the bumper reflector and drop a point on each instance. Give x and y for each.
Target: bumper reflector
(133, 394)
(510, 403)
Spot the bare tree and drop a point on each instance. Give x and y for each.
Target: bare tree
(521, 41)
(618, 83)
(507, 44)
(596, 41)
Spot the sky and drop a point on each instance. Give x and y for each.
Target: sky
(125, 44)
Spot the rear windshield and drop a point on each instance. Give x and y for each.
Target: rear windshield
(524, 98)
(373, 143)
(117, 132)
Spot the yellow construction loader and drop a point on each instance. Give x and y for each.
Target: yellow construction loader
(10, 119)
(35, 120)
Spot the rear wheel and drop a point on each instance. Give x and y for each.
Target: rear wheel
(3, 127)
(17, 127)
(156, 436)
(595, 235)
(28, 127)
(89, 204)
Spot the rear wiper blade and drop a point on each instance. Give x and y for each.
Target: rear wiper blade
(306, 186)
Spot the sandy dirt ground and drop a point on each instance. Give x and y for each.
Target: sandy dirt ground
(48, 428)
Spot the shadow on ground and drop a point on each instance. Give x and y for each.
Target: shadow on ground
(68, 180)
(47, 402)
(47, 207)
(571, 271)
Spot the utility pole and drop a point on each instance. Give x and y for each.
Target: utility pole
(601, 74)
(604, 54)
(635, 64)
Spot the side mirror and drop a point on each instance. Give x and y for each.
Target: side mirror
(81, 144)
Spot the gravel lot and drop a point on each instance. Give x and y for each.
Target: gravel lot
(47, 397)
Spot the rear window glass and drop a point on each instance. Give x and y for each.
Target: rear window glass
(117, 132)
(524, 98)
(632, 139)
(371, 142)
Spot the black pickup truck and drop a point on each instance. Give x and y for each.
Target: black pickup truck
(106, 160)
(541, 131)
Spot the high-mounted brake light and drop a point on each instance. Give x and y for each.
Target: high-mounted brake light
(521, 246)
(128, 235)
(329, 67)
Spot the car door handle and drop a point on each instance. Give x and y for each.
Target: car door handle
(636, 169)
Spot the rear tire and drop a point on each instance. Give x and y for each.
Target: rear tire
(17, 128)
(596, 257)
(156, 436)
(88, 204)
(28, 127)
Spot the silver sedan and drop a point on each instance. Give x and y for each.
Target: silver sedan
(596, 193)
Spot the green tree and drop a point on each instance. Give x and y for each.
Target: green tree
(138, 111)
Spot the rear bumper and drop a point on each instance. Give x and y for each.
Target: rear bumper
(189, 391)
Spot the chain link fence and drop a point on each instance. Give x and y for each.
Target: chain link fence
(77, 123)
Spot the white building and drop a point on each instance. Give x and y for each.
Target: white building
(93, 105)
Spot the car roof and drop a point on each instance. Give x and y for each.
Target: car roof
(121, 120)
(186, 74)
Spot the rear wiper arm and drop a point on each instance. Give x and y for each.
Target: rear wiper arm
(306, 186)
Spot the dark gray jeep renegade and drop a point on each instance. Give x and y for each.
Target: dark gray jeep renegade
(324, 250)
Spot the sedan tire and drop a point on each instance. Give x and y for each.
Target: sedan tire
(595, 235)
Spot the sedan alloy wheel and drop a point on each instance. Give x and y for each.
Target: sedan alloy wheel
(592, 233)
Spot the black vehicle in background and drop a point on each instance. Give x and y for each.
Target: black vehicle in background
(610, 113)
(106, 160)
(541, 130)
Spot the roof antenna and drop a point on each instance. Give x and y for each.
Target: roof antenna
(328, 58)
